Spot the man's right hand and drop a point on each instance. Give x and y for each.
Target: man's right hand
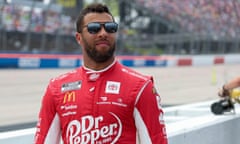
(224, 92)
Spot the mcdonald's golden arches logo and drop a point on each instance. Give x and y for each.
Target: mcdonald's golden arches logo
(69, 97)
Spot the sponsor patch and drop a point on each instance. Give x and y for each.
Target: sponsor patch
(94, 130)
(158, 99)
(94, 76)
(112, 87)
(154, 91)
(71, 86)
(69, 97)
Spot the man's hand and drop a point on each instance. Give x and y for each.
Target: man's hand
(223, 92)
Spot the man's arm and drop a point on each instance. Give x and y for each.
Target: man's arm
(148, 116)
(234, 83)
(48, 126)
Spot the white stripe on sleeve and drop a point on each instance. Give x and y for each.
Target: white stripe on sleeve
(142, 132)
(54, 132)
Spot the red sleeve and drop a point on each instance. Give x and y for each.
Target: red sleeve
(48, 126)
(148, 116)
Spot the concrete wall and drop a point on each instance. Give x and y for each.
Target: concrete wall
(218, 130)
(195, 124)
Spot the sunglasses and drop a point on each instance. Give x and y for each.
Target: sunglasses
(95, 27)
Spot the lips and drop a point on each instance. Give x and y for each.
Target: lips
(106, 43)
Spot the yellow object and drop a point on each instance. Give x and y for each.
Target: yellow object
(67, 3)
(235, 94)
(214, 77)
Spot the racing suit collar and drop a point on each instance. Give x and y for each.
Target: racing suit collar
(93, 75)
(89, 71)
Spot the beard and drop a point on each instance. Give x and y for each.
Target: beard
(97, 56)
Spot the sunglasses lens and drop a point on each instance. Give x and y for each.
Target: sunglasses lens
(111, 27)
(94, 28)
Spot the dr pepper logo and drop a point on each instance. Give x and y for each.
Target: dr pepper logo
(89, 129)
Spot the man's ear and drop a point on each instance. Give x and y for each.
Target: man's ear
(78, 37)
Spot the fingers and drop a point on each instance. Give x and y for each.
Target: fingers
(223, 92)
(220, 93)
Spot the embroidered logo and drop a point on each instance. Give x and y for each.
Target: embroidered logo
(69, 97)
(94, 76)
(71, 86)
(112, 87)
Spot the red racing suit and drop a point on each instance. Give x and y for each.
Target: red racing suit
(113, 106)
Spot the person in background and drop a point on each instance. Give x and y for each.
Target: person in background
(102, 101)
(227, 87)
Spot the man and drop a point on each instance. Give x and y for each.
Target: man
(101, 102)
(234, 83)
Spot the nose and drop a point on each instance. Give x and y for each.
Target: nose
(102, 31)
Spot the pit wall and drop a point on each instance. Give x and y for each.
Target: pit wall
(196, 124)
(71, 61)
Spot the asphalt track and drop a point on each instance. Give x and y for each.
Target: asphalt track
(22, 89)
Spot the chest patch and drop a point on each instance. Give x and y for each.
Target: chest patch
(112, 87)
(71, 86)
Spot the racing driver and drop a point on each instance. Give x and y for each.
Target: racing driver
(103, 101)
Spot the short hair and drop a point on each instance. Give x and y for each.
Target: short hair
(92, 8)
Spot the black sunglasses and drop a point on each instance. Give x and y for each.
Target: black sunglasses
(95, 27)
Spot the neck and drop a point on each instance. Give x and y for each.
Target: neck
(90, 64)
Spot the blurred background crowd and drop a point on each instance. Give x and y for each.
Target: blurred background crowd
(147, 27)
(220, 17)
(17, 17)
